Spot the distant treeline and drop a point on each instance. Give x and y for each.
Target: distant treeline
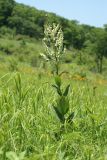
(26, 20)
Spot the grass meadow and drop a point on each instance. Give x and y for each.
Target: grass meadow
(28, 123)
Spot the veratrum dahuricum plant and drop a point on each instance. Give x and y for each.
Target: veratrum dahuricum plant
(54, 48)
(53, 44)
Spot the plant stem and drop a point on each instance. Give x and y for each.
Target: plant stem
(57, 68)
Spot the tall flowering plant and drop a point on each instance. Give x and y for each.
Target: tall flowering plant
(54, 48)
(53, 44)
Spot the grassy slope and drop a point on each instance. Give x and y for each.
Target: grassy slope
(28, 122)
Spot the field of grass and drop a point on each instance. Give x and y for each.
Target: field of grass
(53, 88)
(28, 122)
(29, 126)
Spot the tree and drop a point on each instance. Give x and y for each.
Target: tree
(101, 50)
(27, 18)
(6, 7)
(105, 27)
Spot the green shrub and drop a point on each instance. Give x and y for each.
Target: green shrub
(13, 64)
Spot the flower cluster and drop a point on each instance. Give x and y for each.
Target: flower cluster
(53, 42)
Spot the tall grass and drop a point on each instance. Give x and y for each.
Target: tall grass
(28, 120)
(29, 123)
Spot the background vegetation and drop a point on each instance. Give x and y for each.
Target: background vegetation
(28, 121)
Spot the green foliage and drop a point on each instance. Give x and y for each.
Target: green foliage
(31, 22)
(61, 105)
(13, 156)
(29, 123)
(13, 64)
(25, 17)
(101, 49)
(6, 31)
(58, 81)
(27, 120)
(6, 7)
(54, 48)
(85, 38)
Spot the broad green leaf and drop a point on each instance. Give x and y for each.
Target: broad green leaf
(57, 89)
(63, 105)
(58, 81)
(60, 116)
(66, 90)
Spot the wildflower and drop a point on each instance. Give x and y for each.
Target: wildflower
(53, 44)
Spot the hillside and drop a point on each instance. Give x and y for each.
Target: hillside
(53, 86)
(20, 23)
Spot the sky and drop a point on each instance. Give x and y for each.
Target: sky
(91, 12)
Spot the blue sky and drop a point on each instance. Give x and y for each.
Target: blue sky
(92, 12)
